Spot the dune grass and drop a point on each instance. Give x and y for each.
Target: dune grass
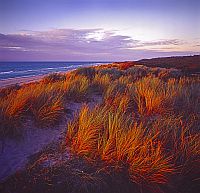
(76, 88)
(151, 95)
(154, 150)
(114, 139)
(11, 115)
(54, 77)
(44, 101)
(147, 126)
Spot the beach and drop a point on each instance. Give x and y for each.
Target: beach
(19, 80)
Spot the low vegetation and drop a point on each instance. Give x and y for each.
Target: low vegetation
(142, 129)
(146, 129)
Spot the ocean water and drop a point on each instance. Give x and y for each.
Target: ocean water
(10, 70)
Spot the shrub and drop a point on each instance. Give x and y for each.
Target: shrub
(166, 74)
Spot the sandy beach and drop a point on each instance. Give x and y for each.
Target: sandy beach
(20, 80)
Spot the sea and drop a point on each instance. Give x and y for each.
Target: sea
(10, 70)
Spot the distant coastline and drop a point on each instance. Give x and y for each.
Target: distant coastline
(24, 72)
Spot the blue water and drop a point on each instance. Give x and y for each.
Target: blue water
(26, 69)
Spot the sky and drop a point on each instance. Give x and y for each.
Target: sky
(98, 30)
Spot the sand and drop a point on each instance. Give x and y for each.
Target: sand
(15, 154)
(20, 80)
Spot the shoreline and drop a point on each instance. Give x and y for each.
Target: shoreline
(20, 80)
(33, 78)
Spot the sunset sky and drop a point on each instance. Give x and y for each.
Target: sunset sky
(98, 30)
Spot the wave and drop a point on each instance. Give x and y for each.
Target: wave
(19, 77)
(10, 74)
(27, 76)
(7, 72)
(46, 69)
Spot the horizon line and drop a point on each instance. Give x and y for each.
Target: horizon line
(173, 56)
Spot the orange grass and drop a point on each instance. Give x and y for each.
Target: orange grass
(114, 139)
(146, 125)
(153, 96)
(76, 87)
(12, 110)
(40, 100)
(151, 150)
(83, 133)
(101, 82)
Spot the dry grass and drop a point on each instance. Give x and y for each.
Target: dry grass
(46, 104)
(83, 133)
(76, 88)
(119, 143)
(12, 110)
(10, 89)
(153, 151)
(120, 102)
(147, 127)
(88, 72)
(101, 82)
(153, 96)
(151, 155)
(54, 77)
(115, 89)
(43, 102)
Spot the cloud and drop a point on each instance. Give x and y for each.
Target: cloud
(175, 42)
(82, 44)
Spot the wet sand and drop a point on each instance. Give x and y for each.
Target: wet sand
(20, 80)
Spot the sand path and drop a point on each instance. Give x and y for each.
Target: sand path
(16, 153)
